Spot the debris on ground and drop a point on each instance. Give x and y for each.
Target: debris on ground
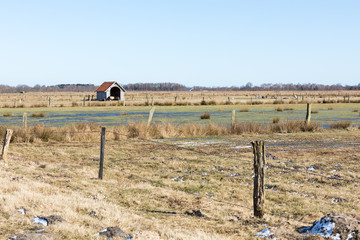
(45, 221)
(34, 236)
(196, 213)
(111, 232)
(334, 226)
(266, 233)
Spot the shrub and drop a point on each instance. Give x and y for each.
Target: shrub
(330, 108)
(228, 103)
(279, 109)
(7, 115)
(288, 109)
(340, 125)
(205, 116)
(212, 102)
(277, 102)
(244, 110)
(38, 115)
(355, 110)
(203, 102)
(314, 112)
(275, 120)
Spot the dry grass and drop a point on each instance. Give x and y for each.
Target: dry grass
(183, 98)
(141, 183)
(276, 120)
(38, 115)
(205, 116)
(340, 125)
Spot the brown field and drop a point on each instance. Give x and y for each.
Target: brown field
(61, 99)
(149, 185)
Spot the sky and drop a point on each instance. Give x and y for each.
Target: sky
(192, 42)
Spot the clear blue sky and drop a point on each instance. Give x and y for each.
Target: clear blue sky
(193, 42)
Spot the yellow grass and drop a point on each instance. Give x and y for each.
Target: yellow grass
(59, 178)
(183, 98)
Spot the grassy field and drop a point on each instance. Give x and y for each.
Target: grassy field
(75, 99)
(149, 185)
(156, 177)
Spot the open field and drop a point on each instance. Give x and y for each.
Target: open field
(323, 114)
(149, 185)
(74, 99)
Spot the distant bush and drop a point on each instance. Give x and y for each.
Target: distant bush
(340, 125)
(244, 110)
(205, 116)
(212, 102)
(38, 115)
(288, 109)
(7, 115)
(314, 111)
(74, 104)
(355, 110)
(203, 102)
(275, 120)
(330, 108)
(279, 109)
(228, 103)
(277, 102)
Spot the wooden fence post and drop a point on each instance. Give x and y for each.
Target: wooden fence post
(7, 139)
(308, 113)
(233, 119)
(151, 113)
(102, 152)
(25, 120)
(259, 171)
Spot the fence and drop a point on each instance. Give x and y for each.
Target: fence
(259, 165)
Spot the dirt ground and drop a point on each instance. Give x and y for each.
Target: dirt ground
(156, 189)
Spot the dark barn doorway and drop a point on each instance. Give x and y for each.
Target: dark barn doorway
(115, 93)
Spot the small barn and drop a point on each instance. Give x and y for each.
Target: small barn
(110, 91)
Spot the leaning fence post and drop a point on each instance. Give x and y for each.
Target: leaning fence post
(233, 119)
(25, 120)
(259, 172)
(308, 113)
(151, 113)
(102, 152)
(7, 139)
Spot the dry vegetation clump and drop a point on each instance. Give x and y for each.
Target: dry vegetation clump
(314, 111)
(279, 109)
(275, 120)
(244, 110)
(38, 115)
(340, 125)
(248, 127)
(206, 115)
(293, 126)
(7, 115)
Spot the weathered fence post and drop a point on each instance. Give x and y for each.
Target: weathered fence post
(25, 120)
(152, 100)
(7, 139)
(102, 152)
(233, 119)
(259, 172)
(308, 113)
(151, 113)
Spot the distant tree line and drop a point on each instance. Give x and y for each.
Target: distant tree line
(43, 88)
(178, 87)
(281, 87)
(155, 87)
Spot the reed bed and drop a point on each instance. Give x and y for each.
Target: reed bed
(87, 132)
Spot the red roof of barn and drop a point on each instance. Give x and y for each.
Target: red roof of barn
(104, 86)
